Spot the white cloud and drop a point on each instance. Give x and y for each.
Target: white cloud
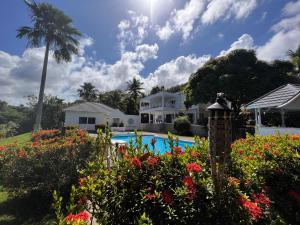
(182, 20)
(244, 42)
(225, 9)
(286, 34)
(175, 72)
(133, 31)
(279, 44)
(291, 8)
(207, 11)
(20, 75)
(164, 33)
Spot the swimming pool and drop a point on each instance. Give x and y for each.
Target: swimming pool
(161, 144)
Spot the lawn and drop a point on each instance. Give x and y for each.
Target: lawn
(20, 139)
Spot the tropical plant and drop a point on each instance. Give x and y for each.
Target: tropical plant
(52, 28)
(87, 92)
(295, 57)
(135, 90)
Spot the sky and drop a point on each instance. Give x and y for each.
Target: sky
(160, 42)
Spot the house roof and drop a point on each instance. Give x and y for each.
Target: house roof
(90, 107)
(277, 98)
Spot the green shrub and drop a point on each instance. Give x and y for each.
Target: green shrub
(182, 125)
(46, 164)
(262, 186)
(100, 127)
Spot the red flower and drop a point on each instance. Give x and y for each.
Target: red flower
(188, 181)
(152, 161)
(295, 195)
(261, 199)
(193, 167)
(22, 154)
(167, 197)
(82, 216)
(177, 150)
(255, 151)
(122, 149)
(253, 209)
(136, 162)
(241, 151)
(150, 196)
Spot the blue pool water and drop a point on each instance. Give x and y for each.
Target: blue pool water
(161, 144)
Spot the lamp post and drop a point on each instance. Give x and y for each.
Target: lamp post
(220, 138)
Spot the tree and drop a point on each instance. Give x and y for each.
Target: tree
(54, 29)
(240, 75)
(135, 90)
(155, 90)
(88, 92)
(114, 99)
(295, 57)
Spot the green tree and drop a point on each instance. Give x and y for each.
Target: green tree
(295, 57)
(155, 90)
(52, 28)
(240, 75)
(135, 91)
(88, 92)
(114, 99)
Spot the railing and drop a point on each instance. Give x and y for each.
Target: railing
(157, 106)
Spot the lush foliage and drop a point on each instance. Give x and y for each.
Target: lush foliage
(182, 125)
(50, 161)
(271, 164)
(240, 75)
(176, 188)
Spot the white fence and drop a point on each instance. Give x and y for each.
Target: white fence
(263, 131)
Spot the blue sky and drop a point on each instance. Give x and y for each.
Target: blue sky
(162, 44)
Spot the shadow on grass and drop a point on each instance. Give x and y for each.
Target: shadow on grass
(25, 211)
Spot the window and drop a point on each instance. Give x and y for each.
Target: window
(169, 118)
(91, 120)
(82, 120)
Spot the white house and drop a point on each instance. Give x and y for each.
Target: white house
(89, 114)
(283, 100)
(158, 111)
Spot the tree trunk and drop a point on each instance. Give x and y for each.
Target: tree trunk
(39, 107)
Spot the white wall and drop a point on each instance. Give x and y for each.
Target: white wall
(72, 118)
(263, 131)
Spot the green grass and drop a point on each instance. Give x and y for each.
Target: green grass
(20, 139)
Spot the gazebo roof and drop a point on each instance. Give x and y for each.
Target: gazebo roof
(285, 97)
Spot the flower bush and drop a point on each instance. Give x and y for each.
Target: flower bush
(49, 162)
(269, 165)
(176, 187)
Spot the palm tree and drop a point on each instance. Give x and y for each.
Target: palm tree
(51, 27)
(295, 57)
(88, 92)
(135, 90)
